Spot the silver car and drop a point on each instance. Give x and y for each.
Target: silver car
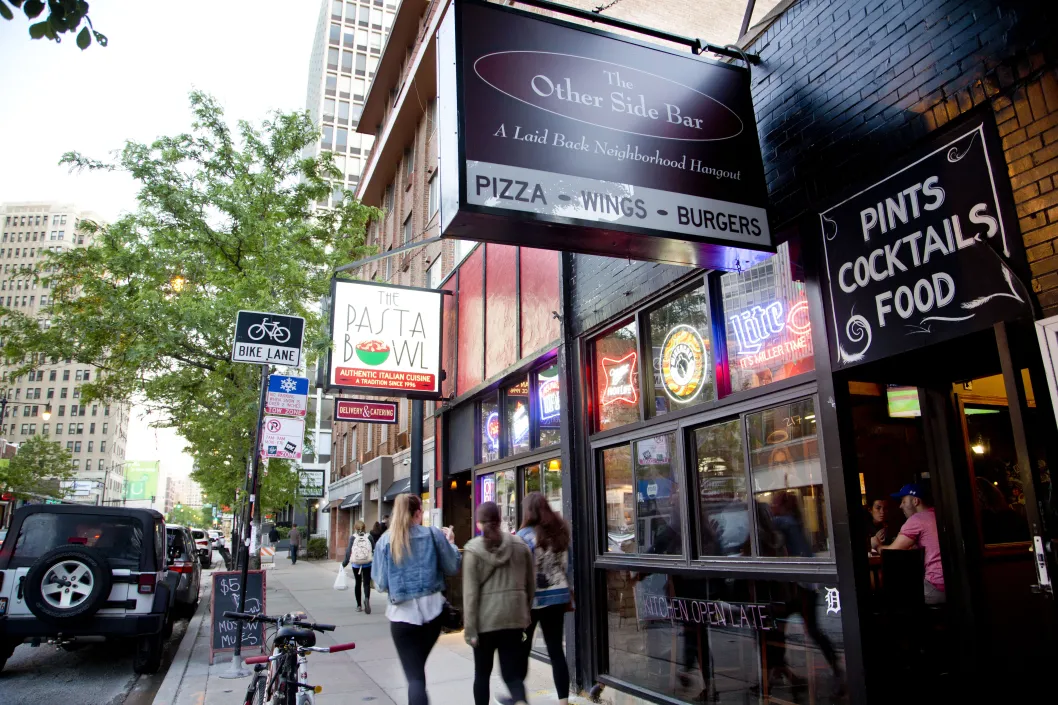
(185, 568)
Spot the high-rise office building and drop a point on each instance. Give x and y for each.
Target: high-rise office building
(345, 53)
(48, 400)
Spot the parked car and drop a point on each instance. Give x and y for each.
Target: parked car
(205, 546)
(74, 573)
(185, 567)
(216, 538)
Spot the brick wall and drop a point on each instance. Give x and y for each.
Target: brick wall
(846, 88)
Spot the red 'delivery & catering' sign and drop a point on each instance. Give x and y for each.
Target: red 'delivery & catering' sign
(365, 411)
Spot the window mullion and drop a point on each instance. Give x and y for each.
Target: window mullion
(751, 503)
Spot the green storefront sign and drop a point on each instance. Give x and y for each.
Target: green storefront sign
(141, 479)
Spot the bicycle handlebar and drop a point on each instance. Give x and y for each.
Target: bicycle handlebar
(243, 616)
(256, 659)
(342, 647)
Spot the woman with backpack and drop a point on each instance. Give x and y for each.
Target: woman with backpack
(360, 552)
(497, 591)
(548, 536)
(411, 562)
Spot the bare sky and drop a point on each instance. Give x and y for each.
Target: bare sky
(252, 56)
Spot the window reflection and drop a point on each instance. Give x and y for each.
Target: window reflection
(724, 640)
(725, 528)
(550, 405)
(787, 481)
(489, 414)
(769, 337)
(617, 378)
(658, 496)
(517, 416)
(620, 498)
(681, 353)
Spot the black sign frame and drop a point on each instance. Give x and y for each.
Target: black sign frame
(248, 321)
(994, 270)
(464, 220)
(253, 636)
(353, 419)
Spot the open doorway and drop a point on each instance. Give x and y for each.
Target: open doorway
(944, 521)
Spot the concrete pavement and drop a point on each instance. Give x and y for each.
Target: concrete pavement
(370, 673)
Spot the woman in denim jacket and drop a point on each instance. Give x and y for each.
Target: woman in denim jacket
(411, 562)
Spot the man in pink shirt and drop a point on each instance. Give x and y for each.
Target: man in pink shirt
(920, 531)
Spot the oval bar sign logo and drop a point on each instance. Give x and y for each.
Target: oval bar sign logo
(604, 94)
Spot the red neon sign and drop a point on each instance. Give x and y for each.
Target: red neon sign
(620, 380)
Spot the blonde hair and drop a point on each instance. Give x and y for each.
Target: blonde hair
(359, 527)
(404, 509)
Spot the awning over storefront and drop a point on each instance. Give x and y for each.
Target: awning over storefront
(402, 486)
(352, 500)
(333, 504)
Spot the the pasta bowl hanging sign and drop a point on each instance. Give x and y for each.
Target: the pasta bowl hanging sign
(386, 340)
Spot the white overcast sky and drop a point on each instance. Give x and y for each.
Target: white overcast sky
(252, 56)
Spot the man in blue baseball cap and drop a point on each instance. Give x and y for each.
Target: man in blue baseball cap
(920, 531)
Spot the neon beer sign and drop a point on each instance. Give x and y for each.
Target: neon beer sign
(620, 377)
(759, 332)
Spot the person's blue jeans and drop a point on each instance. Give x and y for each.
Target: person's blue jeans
(293, 554)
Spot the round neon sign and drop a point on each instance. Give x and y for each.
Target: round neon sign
(683, 364)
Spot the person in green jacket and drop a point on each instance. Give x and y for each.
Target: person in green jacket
(498, 587)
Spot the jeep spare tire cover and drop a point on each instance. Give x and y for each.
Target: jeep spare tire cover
(68, 582)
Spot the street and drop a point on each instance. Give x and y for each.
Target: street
(94, 674)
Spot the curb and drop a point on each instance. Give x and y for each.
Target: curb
(174, 677)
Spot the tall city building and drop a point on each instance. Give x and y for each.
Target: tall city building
(345, 54)
(186, 492)
(48, 400)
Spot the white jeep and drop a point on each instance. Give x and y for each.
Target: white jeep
(74, 573)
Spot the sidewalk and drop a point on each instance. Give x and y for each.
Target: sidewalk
(370, 673)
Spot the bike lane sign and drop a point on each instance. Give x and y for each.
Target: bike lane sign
(268, 338)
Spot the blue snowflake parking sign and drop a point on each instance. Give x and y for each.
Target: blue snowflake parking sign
(287, 396)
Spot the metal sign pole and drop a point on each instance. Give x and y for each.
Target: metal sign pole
(416, 447)
(237, 670)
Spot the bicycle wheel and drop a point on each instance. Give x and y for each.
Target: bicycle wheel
(280, 334)
(256, 692)
(260, 331)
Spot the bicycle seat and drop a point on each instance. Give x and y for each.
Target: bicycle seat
(301, 637)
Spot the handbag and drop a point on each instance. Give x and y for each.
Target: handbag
(451, 616)
(340, 582)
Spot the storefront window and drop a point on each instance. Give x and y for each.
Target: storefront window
(617, 378)
(518, 417)
(489, 408)
(499, 487)
(658, 496)
(725, 528)
(546, 477)
(550, 405)
(741, 640)
(681, 351)
(787, 481)
(620, 500)
(769, 336)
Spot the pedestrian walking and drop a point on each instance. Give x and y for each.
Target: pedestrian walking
(498, 586)
(360, 553)
(548, 536)
(410, 563)
(295, 543)
(273, 535)
(376, 532)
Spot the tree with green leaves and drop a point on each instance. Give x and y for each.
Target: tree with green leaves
(37, 470)
(186, 516)
(226, 221)
(62, 16)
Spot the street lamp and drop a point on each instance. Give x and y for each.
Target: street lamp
(47, 412)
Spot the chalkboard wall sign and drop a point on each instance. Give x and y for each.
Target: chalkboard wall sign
(928, 253)
(225, 598)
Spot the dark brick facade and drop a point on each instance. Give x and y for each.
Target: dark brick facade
(846, 88)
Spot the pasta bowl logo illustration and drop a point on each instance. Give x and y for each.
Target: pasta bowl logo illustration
(372, 352)
(683, 367)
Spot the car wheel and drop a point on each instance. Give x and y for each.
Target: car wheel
(68, 583)
(149, 649)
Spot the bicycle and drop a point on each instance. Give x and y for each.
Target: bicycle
(282, 677)
(274, 331)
